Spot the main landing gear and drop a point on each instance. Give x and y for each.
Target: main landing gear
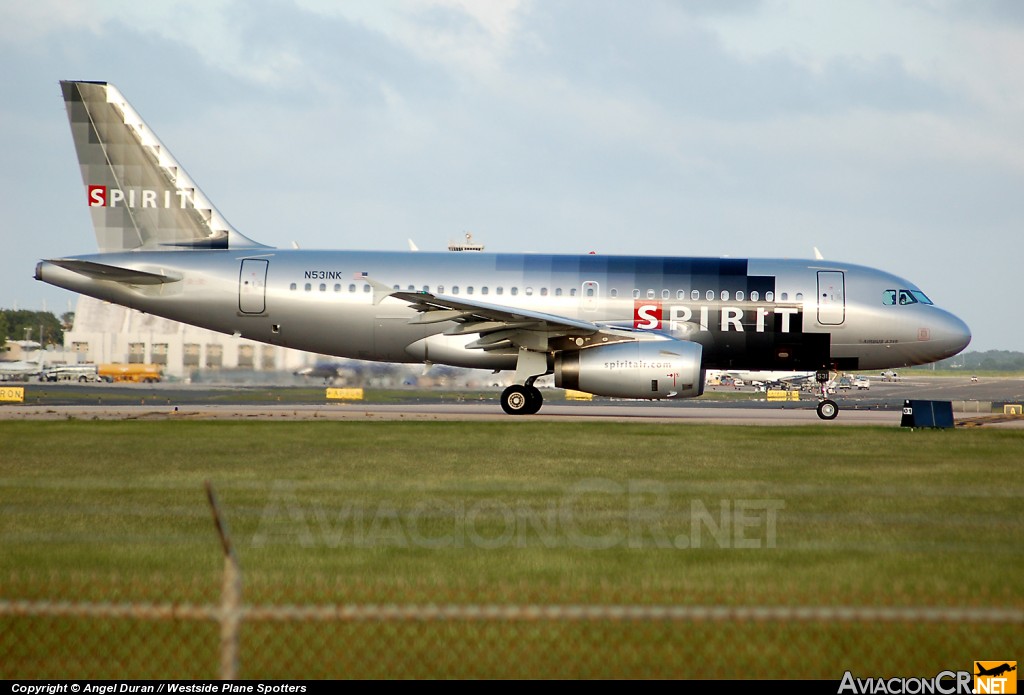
(522, 397)
(828, 409)
(521, 400)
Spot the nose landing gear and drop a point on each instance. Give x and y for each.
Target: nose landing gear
(828, 409)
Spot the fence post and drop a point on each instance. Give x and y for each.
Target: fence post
(231, 594)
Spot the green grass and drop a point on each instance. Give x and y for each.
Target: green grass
(520, 512)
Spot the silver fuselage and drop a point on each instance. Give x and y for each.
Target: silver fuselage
(746, 314)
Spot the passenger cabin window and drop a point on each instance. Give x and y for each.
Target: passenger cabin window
(710, 294)
(514, 291)
(529, 291)
(469, 290)
(725, 295)
(613, 293)
(308, 287)
(499, 290)
(337, 287)
(323, 286)
(650, 294)
(636, 294)
(694, 295)
(681, 294)
(754, 296)
(293, 286)
(455, 289)
(769, 296)
(665, 294)
(352, 287)
(739, 295)
(484, 290)
(558, 291)
(366, 288)
(572, 292)
(799, 296)
(784, 296)
(543, 291)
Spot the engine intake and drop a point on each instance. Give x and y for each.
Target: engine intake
(642, 369)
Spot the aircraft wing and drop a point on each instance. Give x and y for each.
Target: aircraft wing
(502, 326)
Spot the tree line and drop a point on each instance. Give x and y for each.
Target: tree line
(42, 326)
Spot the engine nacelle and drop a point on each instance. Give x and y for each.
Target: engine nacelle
(640, 369)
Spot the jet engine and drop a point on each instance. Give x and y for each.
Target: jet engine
(640, 369)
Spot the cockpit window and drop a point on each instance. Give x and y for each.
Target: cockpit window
(904, 297)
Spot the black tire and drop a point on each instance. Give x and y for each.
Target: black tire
(534, 400)
(828, 409)
(515, 400)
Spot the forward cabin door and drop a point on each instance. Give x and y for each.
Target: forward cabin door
(831, 297)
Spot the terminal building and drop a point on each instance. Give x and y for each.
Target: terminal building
(108, 333)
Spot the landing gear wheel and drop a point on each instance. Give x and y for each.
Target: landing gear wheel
(534, 400)
(828, 409)
(515, 400)
(521, 400)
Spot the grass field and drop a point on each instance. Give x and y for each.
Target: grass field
(525, 513)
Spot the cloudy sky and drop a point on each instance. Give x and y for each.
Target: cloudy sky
(888, 133)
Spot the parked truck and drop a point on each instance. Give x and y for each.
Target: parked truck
(137, 373)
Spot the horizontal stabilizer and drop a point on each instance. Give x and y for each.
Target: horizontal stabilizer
(100, 271)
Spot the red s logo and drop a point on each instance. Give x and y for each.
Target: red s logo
(647, 315)
(97, 196)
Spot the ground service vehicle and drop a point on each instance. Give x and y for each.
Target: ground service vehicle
(136, 373)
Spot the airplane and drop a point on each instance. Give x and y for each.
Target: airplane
(21, 370)
(762, 377)
(328, 371)
(995, 670)
(643, 327)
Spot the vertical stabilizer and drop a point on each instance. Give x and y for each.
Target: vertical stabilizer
(139, 197)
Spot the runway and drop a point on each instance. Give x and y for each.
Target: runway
(879, 406)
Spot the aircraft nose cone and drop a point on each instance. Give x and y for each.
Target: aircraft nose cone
(951, 334)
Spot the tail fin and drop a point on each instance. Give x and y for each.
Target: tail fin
(139, 196)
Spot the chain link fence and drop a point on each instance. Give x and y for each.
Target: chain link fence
(92, 639)
(268, 627)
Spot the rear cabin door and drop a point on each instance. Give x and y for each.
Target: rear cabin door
(252, 286)
(831, 297)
